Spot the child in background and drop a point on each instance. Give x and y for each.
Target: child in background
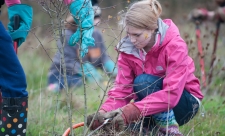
(96, 57)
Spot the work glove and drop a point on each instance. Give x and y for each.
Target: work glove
(109, 66)
(25, 13)
(91, 73)
(83, 15)
(122, 117)
(98, 120)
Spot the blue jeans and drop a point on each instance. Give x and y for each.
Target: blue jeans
(184, 111)
(12, 77)
(72, 80)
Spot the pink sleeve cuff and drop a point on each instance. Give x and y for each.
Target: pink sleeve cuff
(67, 1)
(12, 2)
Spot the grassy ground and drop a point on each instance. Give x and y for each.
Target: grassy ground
(47, 110)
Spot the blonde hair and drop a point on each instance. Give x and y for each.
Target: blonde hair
(143, 14)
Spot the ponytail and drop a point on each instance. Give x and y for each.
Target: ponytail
(156, 7)
(143, 14)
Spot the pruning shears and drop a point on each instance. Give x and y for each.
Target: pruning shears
(108, 120)
(16, 26)
(66, 133)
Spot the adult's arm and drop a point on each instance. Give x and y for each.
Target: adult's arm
(122, 92)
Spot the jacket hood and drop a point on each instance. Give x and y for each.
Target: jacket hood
(166, 31)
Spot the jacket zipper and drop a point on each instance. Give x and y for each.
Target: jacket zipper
(143, 67)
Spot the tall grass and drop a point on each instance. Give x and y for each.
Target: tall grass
(47, 110)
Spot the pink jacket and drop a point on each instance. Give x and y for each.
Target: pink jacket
(168, 59)
(12, 2)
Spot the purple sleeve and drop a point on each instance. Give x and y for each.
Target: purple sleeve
(67, 1)
(12, 2)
